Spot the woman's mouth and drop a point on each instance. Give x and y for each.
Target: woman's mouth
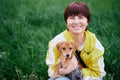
(76, 27)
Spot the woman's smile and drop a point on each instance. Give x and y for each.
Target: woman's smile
(76, 27)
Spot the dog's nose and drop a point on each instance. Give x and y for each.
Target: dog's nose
(67, 55)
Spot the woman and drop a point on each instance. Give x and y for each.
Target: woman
(89, 49)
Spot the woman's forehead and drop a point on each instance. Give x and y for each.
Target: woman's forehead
(76, 14)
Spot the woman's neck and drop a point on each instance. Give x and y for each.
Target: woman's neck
(78, 38)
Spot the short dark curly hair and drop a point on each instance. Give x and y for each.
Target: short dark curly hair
(76, 8)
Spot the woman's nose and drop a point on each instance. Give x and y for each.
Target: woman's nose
(76, 20)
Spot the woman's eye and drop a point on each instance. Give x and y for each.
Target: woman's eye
(71, 17)
(80, 17)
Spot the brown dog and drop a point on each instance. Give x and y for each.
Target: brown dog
(67, 50)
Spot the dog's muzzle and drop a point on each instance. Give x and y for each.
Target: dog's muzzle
(67, 55)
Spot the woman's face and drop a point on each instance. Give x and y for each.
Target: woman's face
(77, 24)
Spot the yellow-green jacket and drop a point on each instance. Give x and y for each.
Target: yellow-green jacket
(92, 55)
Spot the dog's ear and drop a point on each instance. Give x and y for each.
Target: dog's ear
(58, 45)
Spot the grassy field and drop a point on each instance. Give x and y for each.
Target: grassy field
(26, 26)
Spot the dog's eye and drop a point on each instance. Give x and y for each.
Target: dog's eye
(63, 48)
(70, 48)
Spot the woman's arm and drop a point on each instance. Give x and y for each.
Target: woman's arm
(50, 59)
(95, 64)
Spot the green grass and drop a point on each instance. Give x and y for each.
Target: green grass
(26, 26)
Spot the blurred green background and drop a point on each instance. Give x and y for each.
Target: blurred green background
(26, 26)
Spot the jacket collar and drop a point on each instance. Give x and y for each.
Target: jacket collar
(89, 42)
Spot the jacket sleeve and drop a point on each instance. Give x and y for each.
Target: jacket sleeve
(51, 58)
(95, 64)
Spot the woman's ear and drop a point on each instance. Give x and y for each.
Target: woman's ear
(86, 28)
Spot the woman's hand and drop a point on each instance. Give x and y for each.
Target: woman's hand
(62, 71)
(72, 66)
(80, 66)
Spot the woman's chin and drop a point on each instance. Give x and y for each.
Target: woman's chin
(77, 31)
